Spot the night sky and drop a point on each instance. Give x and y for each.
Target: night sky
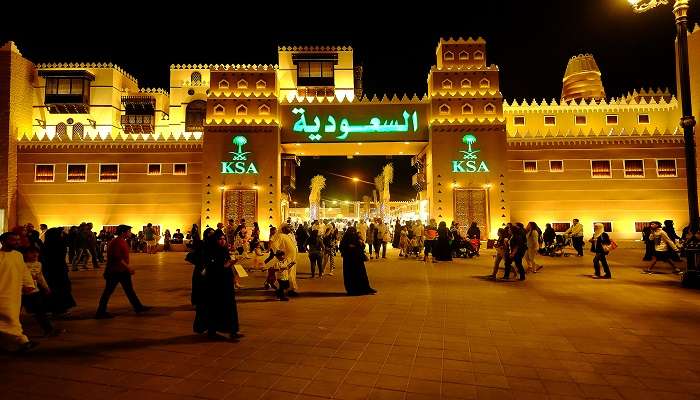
(530, 41)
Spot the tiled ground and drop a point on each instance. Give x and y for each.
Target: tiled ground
(433, 331)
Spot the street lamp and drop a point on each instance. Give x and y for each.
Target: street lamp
(355, 180)
(680, 11)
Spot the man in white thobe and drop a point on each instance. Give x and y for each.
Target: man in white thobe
(288, 244)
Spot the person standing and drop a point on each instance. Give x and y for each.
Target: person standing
(314, 245)
(56, 272)
(575, 232)
(42, 231)
(118, 272)
(149, 234)
(533, 235)
(371, 233)
(166, 240)
(362, 230)
(354, 272)
(220, 310)
(599, 240)
(441, 247)
(396, 243)
(518, 247)
(648, 244)
(549, 236)
(430, 239)
(15, 280)
(383, 234)
(289, 246)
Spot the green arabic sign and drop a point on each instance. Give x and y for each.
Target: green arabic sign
(239, 160)
(470, 160)
(342, 130)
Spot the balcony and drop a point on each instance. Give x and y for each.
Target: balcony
(418, 182)
(67, 92)
(138, 123)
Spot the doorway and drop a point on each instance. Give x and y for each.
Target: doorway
(240, 203)
(471, 205)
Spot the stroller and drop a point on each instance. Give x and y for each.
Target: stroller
(466, 248)
(556, 248)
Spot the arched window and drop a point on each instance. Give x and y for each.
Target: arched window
(444, 109)
(261, 84)
(467, 109)
(61, 131)
(489, 108)
(241, 110)
(447, 84)
(223, 84)
(264, 109)
(196, 78)
(463, 55)
(219, 109)
(78, 131)
(449, 56)
(484, 83)
(242, 84)
(195, 113)
(478, 55)
(466, 83)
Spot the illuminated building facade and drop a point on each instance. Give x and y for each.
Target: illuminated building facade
(83, 142)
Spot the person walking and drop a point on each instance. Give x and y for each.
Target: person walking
(354, 272)
(118, 271)
(56, 272)
(599, 241)
(575, 232)
(518, 247)
(664, 248)
(289, 246)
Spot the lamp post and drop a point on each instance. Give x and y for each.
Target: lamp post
(355, 180)
(680, 11)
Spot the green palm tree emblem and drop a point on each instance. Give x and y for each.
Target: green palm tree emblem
(239, 155)
(469, 140)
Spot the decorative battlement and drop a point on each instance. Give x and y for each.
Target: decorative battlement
(244, 67)
(314, 48)
(118, 137)
(491, 67)
(189, 66)
(468, 120)
(80, 65)
(239, 95)
(468, 93)
(581, 133)
(154, 90)
(592, 105)
(242, 121)
(650, 93)
(363, 100)
(460, 40)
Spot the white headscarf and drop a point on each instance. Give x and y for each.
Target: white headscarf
(598, 230)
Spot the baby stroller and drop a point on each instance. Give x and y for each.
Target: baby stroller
(556, 249)
(466, 248)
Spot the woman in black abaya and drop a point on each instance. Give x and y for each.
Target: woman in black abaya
(55, 271)
(443, 251)
(354, 272)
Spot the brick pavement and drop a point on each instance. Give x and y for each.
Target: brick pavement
(433, 331)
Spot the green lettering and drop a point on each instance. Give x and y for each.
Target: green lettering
(251, 169)
(226, 167)
(457, 166)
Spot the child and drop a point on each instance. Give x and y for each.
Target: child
(258, 254)
(404, 243)
(283, 265)
(35, 299)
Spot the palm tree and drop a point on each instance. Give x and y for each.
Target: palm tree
(240, 141)
(469, 140)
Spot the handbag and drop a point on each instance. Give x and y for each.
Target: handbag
(607, 248)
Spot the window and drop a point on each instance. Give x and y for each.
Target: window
(109, 172)
(607, 226)
(179, 169)
(315, 72)
(62, 131)
(242, 84)
(78, 131)
(261, 84)
(561, 226)
(643, 119)
(556, 166)
(478, 55)
(601, 169)
(194, 116)
(463, 55)
(530, 166)
(264, 109)
(153, 169)
(223, 84)
(467, 109)
(666, 168)
(580, 120)
(64, 86)
(196, 78)
(449, 56)
(76, 173)
(634, 168)
(489, 108)
(43, 173)
(484, 83)
(639, 226)
(466, 83)
(550, 120)
(611, 119)
(519, 120)
(447, 84)
(219, 109)
(241, 110)
(444, 109)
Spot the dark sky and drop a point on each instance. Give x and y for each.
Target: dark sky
(531, 41)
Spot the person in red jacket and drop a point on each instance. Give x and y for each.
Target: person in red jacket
(117, 272)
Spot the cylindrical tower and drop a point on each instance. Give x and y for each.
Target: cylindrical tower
(582, 80)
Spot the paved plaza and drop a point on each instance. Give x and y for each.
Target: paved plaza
(433, 331)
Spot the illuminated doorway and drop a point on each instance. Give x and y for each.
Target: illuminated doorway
(240, 203)
(471, 205)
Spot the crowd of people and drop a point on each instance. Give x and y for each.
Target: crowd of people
(34, 265)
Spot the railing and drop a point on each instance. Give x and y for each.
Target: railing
(138, 123)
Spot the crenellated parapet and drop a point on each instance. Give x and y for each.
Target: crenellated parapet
(362, 100)
(86, 65)
(44, 137)
(314, 48)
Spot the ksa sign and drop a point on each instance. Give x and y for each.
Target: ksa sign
(470, 160)
(239, 163)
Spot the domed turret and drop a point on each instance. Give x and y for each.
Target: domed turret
(582, 80)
